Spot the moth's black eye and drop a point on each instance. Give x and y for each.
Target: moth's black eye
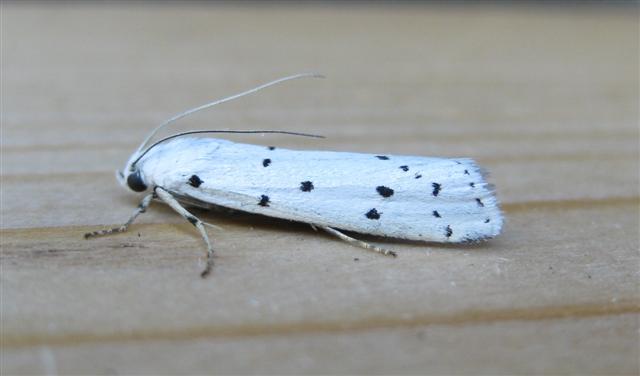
(135, 182)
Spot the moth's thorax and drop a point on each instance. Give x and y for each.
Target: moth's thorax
(160, 165)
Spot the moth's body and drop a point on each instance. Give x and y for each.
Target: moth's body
(405, 197)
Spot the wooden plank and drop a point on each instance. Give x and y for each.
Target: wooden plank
(157, 264)
(486, 348)
(545, 98)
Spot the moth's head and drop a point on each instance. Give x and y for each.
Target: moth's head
(132, 180)
(131, 177)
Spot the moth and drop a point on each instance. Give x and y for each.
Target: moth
(427, 199)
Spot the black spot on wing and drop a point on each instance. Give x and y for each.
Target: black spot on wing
(466, 172)
(436, 189)
(382, 157)
(384, 191)
(418, 176)
(264, 200)
(266, 162)
(479, 202)
(436, 214)
(306, 186)
(193, 220)
(195, 181)
(271, 147)
(404, 168)
(373, 214)
(487, 220)
(472, 185)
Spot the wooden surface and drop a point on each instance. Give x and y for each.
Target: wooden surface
(545, 98)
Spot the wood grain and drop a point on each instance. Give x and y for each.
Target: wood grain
(545, 98)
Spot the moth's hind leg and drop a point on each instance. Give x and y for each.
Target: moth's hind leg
(142, 207)
(175, 205)
(356, 242)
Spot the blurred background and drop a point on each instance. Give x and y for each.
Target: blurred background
(543, 94)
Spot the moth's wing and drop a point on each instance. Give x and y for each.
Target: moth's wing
(431, 199)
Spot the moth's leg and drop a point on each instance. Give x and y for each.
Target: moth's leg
(175, 205)
(142, 207)
(356, 242)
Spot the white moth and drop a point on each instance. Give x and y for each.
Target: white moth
(404, 197)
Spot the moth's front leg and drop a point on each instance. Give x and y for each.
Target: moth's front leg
(175, 205)
(142, 207)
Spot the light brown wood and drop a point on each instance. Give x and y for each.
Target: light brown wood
(545, 98)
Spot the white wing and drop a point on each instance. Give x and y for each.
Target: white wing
(406, 197)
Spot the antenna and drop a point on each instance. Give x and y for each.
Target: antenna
(216, 131)
(223, 100)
